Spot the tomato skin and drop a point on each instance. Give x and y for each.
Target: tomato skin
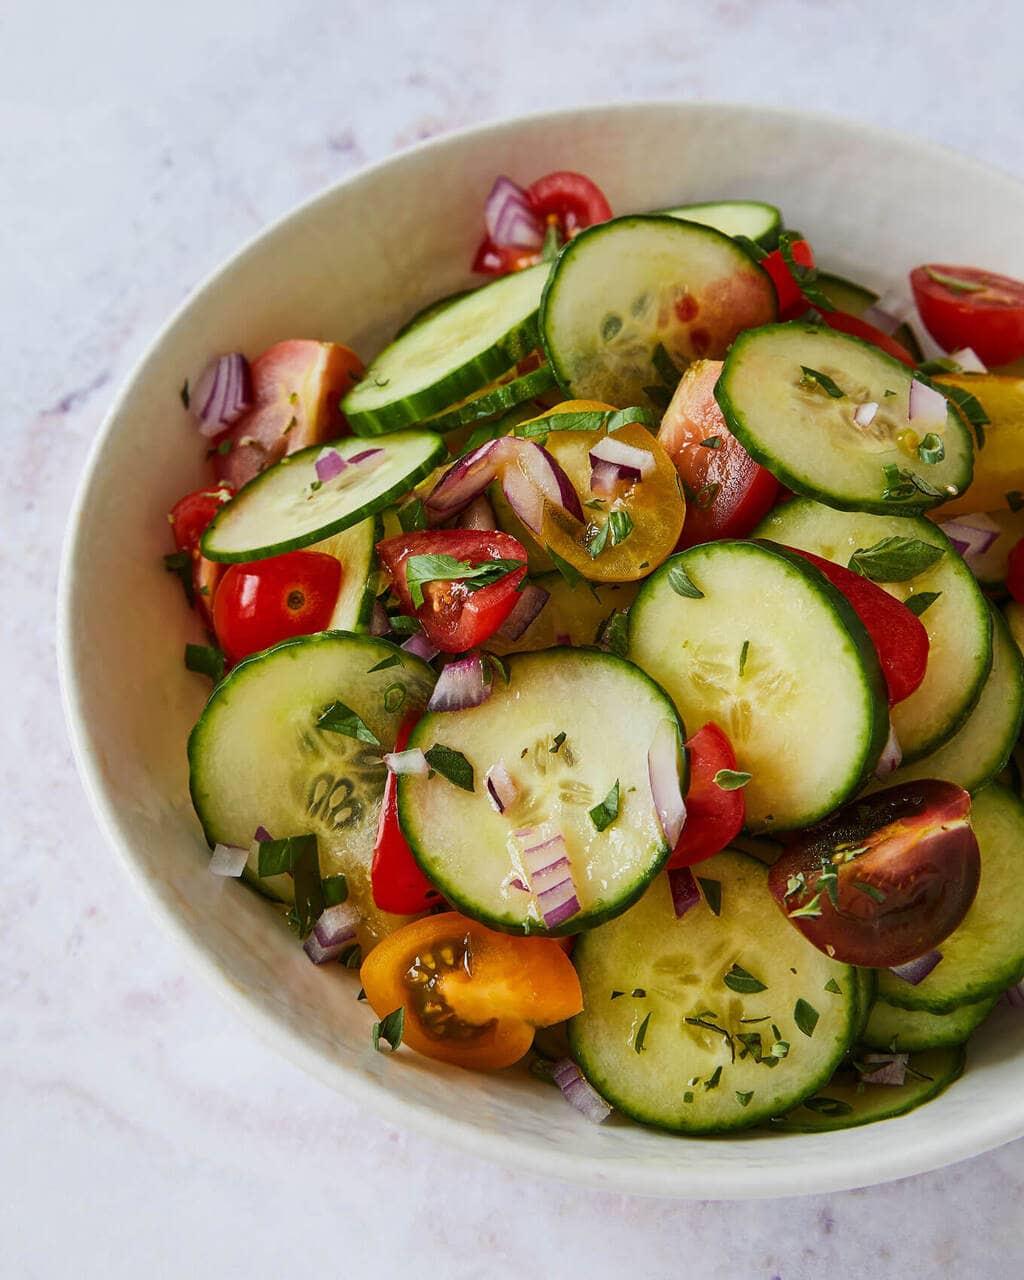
(746, 491)
(503, 985)
(1015, 572)
(396, 881)
(572, 198)
(266, 601)
(713, 816)
(842, 322)
(791, 299)
(453, 617)
(188, 519)
(494, 260)
(899, 636)
(989, 320)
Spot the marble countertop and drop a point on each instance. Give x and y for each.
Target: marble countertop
(141, 1125)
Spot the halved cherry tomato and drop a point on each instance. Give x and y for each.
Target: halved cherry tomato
(1015, 572)
(266, 601)
(396, 881)
(471, 996)
(968, 307)
(297, 390)
(727, 492)
(571, 198)
(843, 322)
(453, 615)
(188, 518)
(495, 260)
(885, 878)
(713, 816)
(898, 635)
(792, 302)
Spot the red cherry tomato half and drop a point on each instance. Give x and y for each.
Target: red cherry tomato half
(190, 515)
(884, 879)
(1015, 572)
(492, 260)
(260, 604)
(898, 635)
(727, 492)
(792, 302)
(713, 816)
(396, 881)
(454, 616)
(844, 323)
(572, 198)
(968, 307)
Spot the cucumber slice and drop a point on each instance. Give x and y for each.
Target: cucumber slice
(985, 955)
(751, 218)
(958, 623)
(622, 288)
(355, 549)
(914, 1029)
(867, 987)
(806, 436)
(808, 715)
(498, 399)
(257, 757)
(842, 1105)
(854, 299)
(431, 310)
(277, 511)
(468, 850)
(700, 1076)
(983, 746)
(448, 354)
(572, 615)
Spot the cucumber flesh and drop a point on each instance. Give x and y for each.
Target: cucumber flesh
(809, 731)
(355, 549)
(572, 615)
(448, 354)
(892, 1028)
(855, 299)
(844, 1103)
(495, 400)
(621, 289)
(985, 954)
(279, 510)
(806, 436)
(751, 218)
(958, 623)
(700, 1076)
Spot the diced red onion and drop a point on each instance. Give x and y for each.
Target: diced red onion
(510, 218)
(468, 477)
(412, 762)
(420, 647)
(663, 771)
(915, 971)
(628, 456)
(222, 394)
(228, 860)
(864, 414)
(685, 893)
(329, 463)
(379, 624)
(889, 312)
(360, 459)
(549, 476)
(971, 535)
(262, 836)
(578, 1091)
(550, 874)
(1013, 997)
(532, 600)
(460, 685)
(478, 515)
(888, 1068)
(926, 405)
(335, 930)
(968, 360)
(892, 755)
(501, 787)
(516, 883)
(605, 478)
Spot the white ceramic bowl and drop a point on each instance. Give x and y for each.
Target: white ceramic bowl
(350, 265)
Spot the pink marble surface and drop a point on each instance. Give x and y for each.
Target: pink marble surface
(141, 1126)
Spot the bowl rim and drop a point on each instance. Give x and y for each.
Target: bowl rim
(846, 1170)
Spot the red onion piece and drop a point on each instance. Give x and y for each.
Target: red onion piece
(412, 762)
(578, 1091)
(605, 478)
(549, 871)
(968, 360)
(228, 860)
(1013, 997)
(685, 893)
(887, 1068)
(329, 463)
(864, 414)
(460, 685)
(379, 624)
(510, 218)
(663, 770)
(915, 971)
(420, 647)
(532, 600)
(892, 755)
(609, 449)
(478, 515)
(335, 930)
(524, 497)
(927, 406)
(971, 535)
(501, 787)
(262, 836)
(889, 312)
(550, 477)
(365, 456)
(222, 394)
(468, 477)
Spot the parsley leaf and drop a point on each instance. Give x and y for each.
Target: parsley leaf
(444, 568)
(452, 765)
(744, 1098)
(744, 651)
(180, 563)
(412, 517)
(299, 856)
(712, 442)
(393, 660)
(337, 718)
(731, 779)
(665, 366)
(335, 890)
(641, 1035)
(600, 540)
(712, 890)
(834, 987)
(811, 910)
(923, 600)
(828, 1106)
(622, 526)
(895, 559)
(872, 891)
(604, 814)
(206, 660)
(680, 582)
(568, 571)
(556, 743)
(805, 1016)
(389, 1029)
(738, 979)
(613, 633)
(811, 377)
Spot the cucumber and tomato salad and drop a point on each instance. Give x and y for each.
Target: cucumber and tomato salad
(525, 636)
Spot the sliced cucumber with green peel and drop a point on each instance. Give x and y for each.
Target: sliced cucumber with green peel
(806, 709)
(845, 1103)
(982, 748)
(867, 986)
(855, 299)
(985, 955)
(715, 1021)
(430, 310)
(495, 400)
(448, 354)
(286, 507)
(958, 621)
(789, 393)
(912, 1030)
(257, 756)
(549, 727)
(355, 549)
(1014, 614)
(751, 218)
(572, 615)
(629, 295)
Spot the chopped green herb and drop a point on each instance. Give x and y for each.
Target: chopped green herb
(568, 571)
(451, 764)
(351, 957)
(402, 625)
(752, 247)
(420, 570)
(622, 526)
(940, 364)
(829, 880)
(921, 601)
(712, 442)
(744, 1098)
(901, 485)
(393, 660)
(688, 1096)
(744, 650)
(664, 366)
(701, 1020)
(895, 559)
(595, 504)
(292, 424)
(738, 979)
(299, 856)
(712, 1081)
(712, 890)
(794, 884)
(780, 1049)
(931, 449)
(598, 543)
(337, 718)
(705, 495)
(492, 665)
(731, 779)
(394, 696)
(180, 564)
(834, 987)
(1015, 499)
(604, 814)
(680, 582)
(389, 1029)
(638, 993)
(616, 994)
(613, 633)
(206, 660)
(874, 893)
(810, 910)
(586, 420)
(954, 283)
(412, 517)
(552, 243)
(184, 394)
(556, 742)
(811, 377)
(806, 277)
(805, 1016)
(641, 1035)
(335, 890)
(828, 1106)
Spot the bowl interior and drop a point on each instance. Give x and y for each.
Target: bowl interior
(352, 265)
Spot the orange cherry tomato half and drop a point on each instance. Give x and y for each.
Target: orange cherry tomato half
(471, 996)
(713, 816)
(262, 603)
(571, 198)
(968, 307)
